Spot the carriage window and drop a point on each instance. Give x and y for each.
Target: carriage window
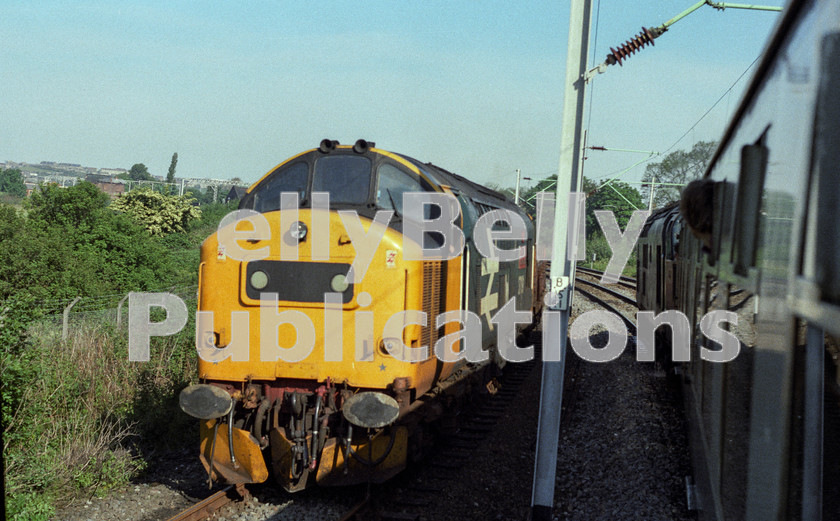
(392, 184)
(750, 190)
(290, 178)
(346, 178)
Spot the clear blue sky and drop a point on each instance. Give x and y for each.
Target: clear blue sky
(235, 88)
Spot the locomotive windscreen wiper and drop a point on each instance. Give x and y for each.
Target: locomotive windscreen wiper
(393, 203)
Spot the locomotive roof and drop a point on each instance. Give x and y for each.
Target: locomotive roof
(463, 185)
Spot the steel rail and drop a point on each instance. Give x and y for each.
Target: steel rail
(612, 292)
(590, 271)
(205, 508)
(598, 300)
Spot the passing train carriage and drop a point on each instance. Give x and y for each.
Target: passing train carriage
(296, 416)
(758, 237)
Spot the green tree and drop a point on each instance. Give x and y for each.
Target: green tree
(678, 167)
(77, 206)
(205, 196)
(70, 243)
(11, 181)
(617, 197)
(170, 176)
(528, 197)
(138, 172)
(160, 214)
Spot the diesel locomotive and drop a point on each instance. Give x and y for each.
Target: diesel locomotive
(350, 406)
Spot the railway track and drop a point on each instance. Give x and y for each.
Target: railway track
(599, 273)
(609, 299)
(623, 281)
(571, 392)
(205, 508)
(430, 482)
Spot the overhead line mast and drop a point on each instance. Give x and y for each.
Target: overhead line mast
(569, 178)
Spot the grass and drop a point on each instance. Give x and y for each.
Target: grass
(601, 265)
(77, 410)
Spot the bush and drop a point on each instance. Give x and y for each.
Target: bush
(78, 418)
(160, 214)
(598, 248)
(69, 243)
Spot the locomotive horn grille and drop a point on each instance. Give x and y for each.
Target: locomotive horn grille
(434, 303)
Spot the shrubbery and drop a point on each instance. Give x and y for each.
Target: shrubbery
(75, 411)
(160, 214)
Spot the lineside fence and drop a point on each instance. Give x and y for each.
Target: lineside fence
(63, 314)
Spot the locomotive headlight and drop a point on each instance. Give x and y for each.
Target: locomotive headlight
(259, 279)
(298, 231)
(339, 283)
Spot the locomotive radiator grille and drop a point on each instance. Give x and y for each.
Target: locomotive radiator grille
(434, 282)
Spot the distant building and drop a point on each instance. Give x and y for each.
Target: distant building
(106, 184)
(112, 171)
(236, 193)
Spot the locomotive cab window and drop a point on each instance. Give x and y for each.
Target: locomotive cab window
(391, 184)
(291, 178)
(346, 178)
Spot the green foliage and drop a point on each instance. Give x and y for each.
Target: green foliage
(599, 253)
(203, 197)
(138, 172)
(74, 412)
(77, 206)
(528, 197)
(170, 176)
(212, 214)
(619, 198)
(597, 248)
(15, 362)
(18, 367)
(78, 404)
(160, 214)
(28, 506)
(11, 182)
(71, 244)
(679, 167)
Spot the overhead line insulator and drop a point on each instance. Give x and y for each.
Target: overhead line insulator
(631, 46)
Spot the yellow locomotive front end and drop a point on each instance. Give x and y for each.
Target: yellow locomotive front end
(306, 365)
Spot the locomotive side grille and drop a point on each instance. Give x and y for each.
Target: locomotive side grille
(434, 294)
